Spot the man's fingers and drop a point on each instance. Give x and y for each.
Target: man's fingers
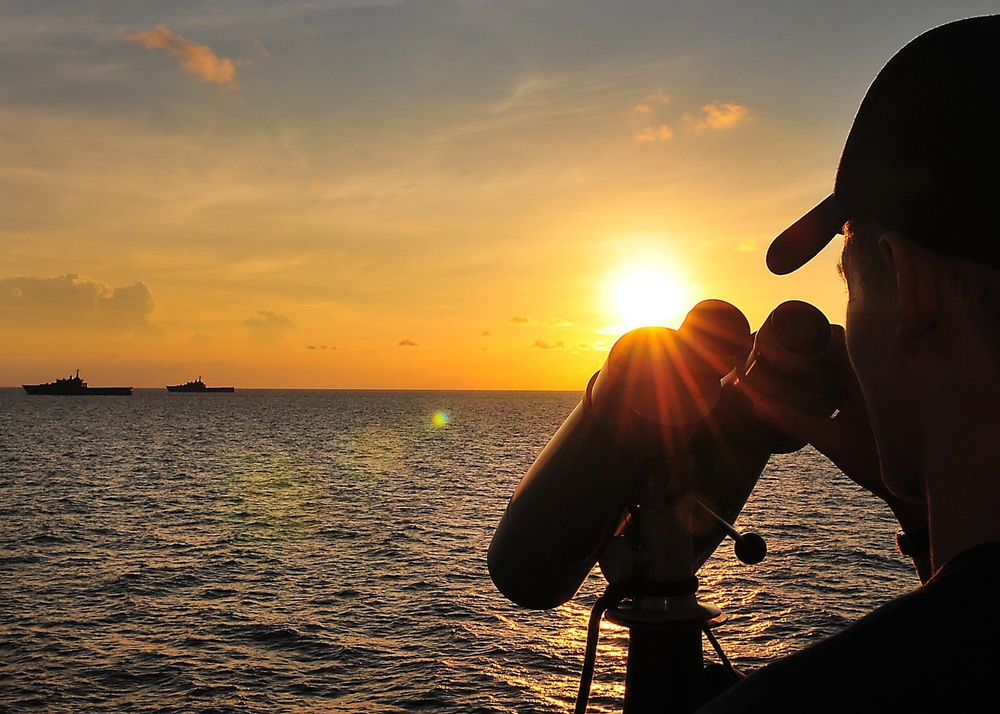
(790, 421)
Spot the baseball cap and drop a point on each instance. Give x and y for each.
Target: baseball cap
(923, 155)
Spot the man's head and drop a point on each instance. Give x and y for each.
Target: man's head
(921, 163)
(975, 286)
(918, 189)
(923, 156)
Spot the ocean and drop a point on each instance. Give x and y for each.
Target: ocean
(299, 551)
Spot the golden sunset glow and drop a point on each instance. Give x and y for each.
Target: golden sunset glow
(406, 194)
(646, 296)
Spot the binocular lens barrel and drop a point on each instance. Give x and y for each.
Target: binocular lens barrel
(662, 395)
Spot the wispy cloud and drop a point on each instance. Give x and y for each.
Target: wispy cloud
(267, 327)
(259, 46)
(649, 110)
(718, 117)
(657, 123)
(196, 59)
(655, 133)
(407, 343)
(550, 322)
(651, 102)
(544, 345)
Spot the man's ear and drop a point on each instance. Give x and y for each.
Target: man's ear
(916, 290)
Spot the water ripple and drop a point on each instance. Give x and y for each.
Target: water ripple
(303, 551)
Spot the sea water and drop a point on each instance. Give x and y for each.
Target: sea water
(301, 551)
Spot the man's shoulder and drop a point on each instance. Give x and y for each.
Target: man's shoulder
(933, 646)
(977, 564)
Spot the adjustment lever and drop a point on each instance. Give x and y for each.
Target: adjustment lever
(750, 548)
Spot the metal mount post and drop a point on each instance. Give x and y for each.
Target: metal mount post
(665, 668)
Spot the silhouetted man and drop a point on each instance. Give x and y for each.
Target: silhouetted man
(917, 196)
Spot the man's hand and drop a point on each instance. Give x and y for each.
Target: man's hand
(846, 439)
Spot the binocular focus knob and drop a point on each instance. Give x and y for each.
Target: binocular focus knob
(750, 548)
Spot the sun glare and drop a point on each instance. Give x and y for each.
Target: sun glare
(647, 296)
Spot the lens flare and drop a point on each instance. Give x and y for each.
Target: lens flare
(440, 419)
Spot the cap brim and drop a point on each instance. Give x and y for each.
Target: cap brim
(802, 240)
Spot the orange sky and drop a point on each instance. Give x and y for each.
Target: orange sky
(408, 195)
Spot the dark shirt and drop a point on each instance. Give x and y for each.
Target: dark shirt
(935, 649)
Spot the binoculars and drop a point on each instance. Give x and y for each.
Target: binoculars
(672, 408)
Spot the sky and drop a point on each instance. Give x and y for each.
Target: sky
(419, 194)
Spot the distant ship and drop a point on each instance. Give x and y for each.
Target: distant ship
(74, 386)
(196, 386)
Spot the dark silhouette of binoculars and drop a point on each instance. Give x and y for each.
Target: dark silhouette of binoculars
(674, 403)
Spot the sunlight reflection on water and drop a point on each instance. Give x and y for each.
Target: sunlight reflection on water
(304, 551)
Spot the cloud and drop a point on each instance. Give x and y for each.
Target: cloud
(651, 102)
(75, 303)
(518, 319)
(543, 345)
(128, 305)
(267, 327)
(718, 117)
(655, 133)
(657, 125)
(259, 46)
(649, 109)
(196, 59)
(408, 343)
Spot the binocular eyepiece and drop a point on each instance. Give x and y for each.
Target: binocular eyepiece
(788, 364)
(662, 396)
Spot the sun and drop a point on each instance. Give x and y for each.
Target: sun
(647, 295)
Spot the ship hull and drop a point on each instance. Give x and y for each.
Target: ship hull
(61, 391)
(197, 390)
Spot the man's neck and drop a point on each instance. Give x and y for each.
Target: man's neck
(962, 475)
